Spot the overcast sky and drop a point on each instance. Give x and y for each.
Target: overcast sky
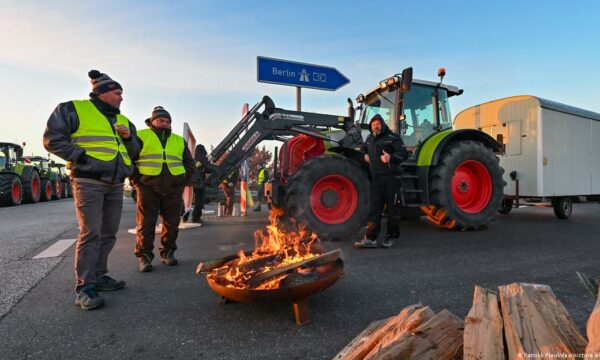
(198, 58)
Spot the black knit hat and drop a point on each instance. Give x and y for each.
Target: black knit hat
(160, 112)
(102, 83)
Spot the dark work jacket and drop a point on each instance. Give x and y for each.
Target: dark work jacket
(201, 167)
(165, 182)
(64, 121)
(392, 144)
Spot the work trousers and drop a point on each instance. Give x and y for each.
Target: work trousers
(151, 205)
(384, 191)
(98, 208)
(198, 203)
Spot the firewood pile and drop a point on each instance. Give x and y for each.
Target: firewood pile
(520, 321)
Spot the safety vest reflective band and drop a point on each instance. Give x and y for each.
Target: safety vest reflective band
(153, 155)
(95, 134)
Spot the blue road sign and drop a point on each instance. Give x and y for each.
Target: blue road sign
(284, 72)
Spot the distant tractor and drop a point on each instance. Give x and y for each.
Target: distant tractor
(50, 179)
(67, 188)
(322, 180)
(19, 180)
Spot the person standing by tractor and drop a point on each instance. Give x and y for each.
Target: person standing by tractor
(262, 179)
(201, 167)
(98, 142)
(384, 151)
(163, 168)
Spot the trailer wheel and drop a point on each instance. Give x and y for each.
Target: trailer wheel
(31, 187)
(506, 206)
(563, 207)
(11, 190)
(466, 187)
(329, 195)
(46, 193)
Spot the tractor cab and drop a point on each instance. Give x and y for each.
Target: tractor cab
(9, 154)
(409, 107)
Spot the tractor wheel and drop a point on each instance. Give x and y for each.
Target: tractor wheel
(506, 206)
(47, 192)
(65, 192)
(56, 190)
(69, 189)
(563, 207)
(329, 195)
(11, 190)
(466, 187)
(31, 187)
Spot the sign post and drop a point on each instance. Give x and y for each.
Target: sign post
(292, 73)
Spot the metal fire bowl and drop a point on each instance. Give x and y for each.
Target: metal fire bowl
(329, 274)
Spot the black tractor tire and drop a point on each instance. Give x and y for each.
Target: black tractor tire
(32, 187)
(46, 190)
(563, 207)
(337, 186)
(65, 192)
(56, 190)
(506, 206)
(69, 189)
(11, 190)
(444, 210)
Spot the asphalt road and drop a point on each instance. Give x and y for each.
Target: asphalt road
(170, 313)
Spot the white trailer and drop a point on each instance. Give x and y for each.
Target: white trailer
(551, 151)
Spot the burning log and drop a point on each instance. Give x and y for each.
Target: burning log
(206, 266)
(315, 261)
(593, 330)
(536, 322)
(483, 327)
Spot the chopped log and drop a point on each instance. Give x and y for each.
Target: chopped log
(205, 266)
(483, 328)
(250, 265)
(536, 323)
(593, 330)
(361, 338)
(362, 345)
(416, 319)
(313, 261)
(440, 338)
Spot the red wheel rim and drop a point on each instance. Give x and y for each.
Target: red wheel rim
(58, 190)
(333, 199)
(16, 192)
(48, 190)
(471, 186)
(35, 186)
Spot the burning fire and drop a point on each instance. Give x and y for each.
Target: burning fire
(275, 248)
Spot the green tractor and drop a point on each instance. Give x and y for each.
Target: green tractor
(19, 180)
(452, 177)
(51, 181)
(67, 188)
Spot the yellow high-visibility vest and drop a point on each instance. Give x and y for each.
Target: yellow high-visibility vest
(153, 155)
(95, 134)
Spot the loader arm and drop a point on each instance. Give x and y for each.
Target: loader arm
(265, 122)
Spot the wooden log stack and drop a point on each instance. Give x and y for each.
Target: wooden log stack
(520, 321)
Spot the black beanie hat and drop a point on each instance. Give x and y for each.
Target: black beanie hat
(160, 112)
(102, 83)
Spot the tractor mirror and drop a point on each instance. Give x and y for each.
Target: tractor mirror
(407, 75)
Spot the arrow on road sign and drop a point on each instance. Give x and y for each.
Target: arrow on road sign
(285, 72)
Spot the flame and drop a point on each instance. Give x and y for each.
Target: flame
(274, 247)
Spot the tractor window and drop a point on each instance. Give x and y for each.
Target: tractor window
(419, 113)
(2, 161)
(382, 104)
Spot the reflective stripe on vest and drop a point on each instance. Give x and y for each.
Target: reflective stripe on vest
(95, 134)
(153, 155)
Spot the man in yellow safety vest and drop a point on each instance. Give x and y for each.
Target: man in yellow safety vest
(163, 168)
(98, 142)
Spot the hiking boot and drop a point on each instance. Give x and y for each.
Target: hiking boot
(145, 263)
(388, 242)
(589, 283)
(366, 243)
(106, 283)
(88, 298)
(168, 259)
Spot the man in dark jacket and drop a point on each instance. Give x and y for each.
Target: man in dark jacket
(384, 151)
(98, 143)
(201, 167)
(162, 170)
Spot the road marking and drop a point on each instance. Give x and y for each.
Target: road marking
(56, 249)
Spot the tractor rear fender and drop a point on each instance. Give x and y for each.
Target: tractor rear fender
(26, 171)
(352, 154)
(430, 152)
